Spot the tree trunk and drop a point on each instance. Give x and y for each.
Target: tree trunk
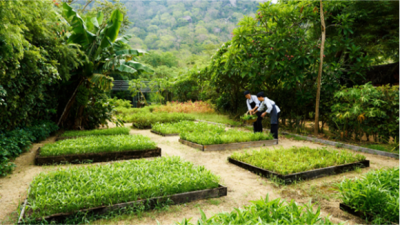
(69, 104)
(321, 56)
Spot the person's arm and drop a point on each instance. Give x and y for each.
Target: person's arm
(248, 105)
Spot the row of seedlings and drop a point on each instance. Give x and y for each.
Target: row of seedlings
(97, 189)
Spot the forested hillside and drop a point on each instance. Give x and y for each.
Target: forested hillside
(175, 25)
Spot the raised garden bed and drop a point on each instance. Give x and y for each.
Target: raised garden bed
(221, 147)
(73, 134)
(96, 157)
(362, 215)
(348, 146)
(307, 175)
(165, 135)
(151, 202)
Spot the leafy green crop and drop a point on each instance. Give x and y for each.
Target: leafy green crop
(376, 193)
(145, 120)
(296, 159)
(212, 137)
(264, 211)
(248, 117)
(96, 144)
(111, 131)
(185, 126)
(67, 190)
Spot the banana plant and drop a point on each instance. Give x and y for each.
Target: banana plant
(105, 52)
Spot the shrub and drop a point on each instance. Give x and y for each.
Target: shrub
(75, 188)
(98, 144)
(120, 103)
(376, 193)
(296, 159)
(110, 131)
(15, 142)
(366, 110)
(216, 136)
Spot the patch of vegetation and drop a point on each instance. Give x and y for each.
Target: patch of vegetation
(216, 118)
(145, 120)
(185, 126)
(264, 211)
(384, 147)
(295, 137)
(296, 159)
(213, 137)
(68, 190)
(186, 107)
(376, 193)
(97, 144)
(110, 131)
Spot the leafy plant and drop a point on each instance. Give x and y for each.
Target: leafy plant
(296, 159)
(369, 110)
(120, 103)
(71, 189)
(248, 117)
(145, 120)
(98, 144)
(265, 211)
(376, 193)
(218, 136)
(110, 131)
(185, 126)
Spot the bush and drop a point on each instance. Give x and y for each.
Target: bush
(366, 110)
(120, 103)
(15, 142)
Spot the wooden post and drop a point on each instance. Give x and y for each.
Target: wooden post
(321, 56)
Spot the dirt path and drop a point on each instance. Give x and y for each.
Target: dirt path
(243, 186)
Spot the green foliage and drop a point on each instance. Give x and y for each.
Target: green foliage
(376, 193)
(98, 144)
(145, 120)
(110, 131)
(217, 136)
(120, 103)
(366, 110)
(68, 190)
(296, 159)
(248, 117)
(185, 126)
(265, 211)
(17, 141)
(122, 111)
(34, 58)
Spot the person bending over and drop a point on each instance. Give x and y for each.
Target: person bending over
(270, 107)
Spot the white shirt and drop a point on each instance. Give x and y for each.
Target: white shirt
(268, 103)
(252, 99)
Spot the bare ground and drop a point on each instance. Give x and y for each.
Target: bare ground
(243, 186)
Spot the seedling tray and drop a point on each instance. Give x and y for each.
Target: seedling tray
(307, 175)
(165, 135)
(238, 145)
(96, 157)
(151, 203)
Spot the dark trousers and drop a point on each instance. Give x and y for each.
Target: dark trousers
(257, 126)
(275, 127)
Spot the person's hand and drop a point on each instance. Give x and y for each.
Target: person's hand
(262, 115)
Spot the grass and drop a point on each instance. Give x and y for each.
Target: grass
(145, 120)
(376, 193)
(186, 107)
(264, 211)
(295, 137)
(384, 147)
(215, 136)
(296, 159)
(98, 144)
(185, 126)
(216, 118)
(122, 111)
(75, 188)
(111, 131)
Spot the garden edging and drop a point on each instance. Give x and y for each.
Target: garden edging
(352, 147)
(306, 175)
(230, 146)
(165, 135)
(180, 198)
(96, 157)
